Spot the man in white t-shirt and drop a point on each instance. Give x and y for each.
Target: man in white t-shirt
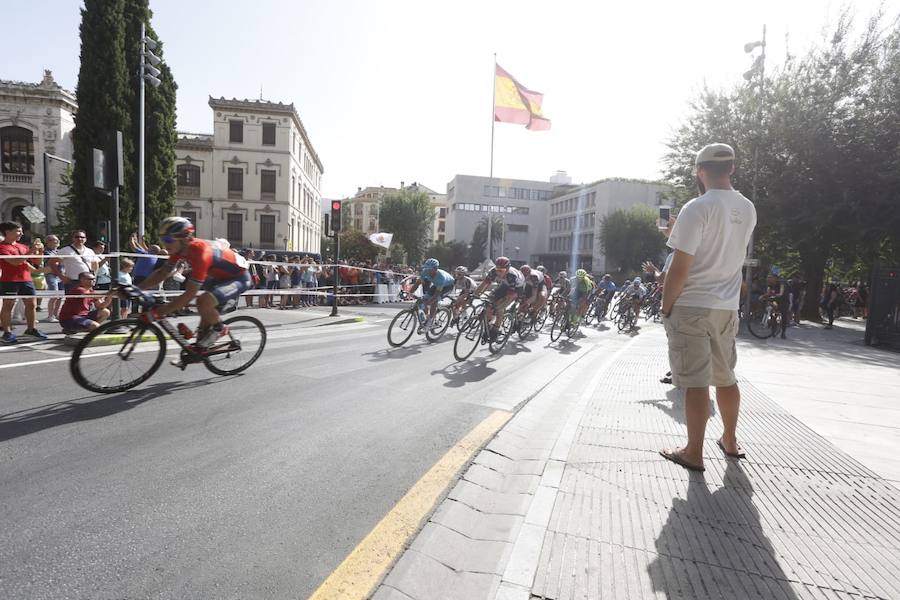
(77, 258)
(700, 300)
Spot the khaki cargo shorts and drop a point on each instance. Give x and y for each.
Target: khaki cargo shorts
(701, 346)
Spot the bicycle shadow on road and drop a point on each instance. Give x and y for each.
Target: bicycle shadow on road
(473, 371)
(48, 416)
(394, 353)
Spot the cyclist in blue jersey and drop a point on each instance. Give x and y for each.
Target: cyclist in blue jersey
(436, 284)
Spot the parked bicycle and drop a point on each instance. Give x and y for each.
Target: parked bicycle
(124, 353)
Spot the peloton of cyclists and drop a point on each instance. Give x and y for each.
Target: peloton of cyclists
(436, 284)
(511, 284)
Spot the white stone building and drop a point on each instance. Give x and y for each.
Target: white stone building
(255, 180)
(34, 118)
(361, 211)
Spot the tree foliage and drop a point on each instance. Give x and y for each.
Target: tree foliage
(355, 245)
(827, 141)
(103, 107)
(108, 100)
(408, 214)
(450, 255)
(478, 250)
(629, 237)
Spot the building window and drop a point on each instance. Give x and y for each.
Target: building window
(267, 231)
(267, 184)
(235, 228)
(17, 145)
(190, 215)
(236, 132)
(268, 134)
(442, 227)
(442, 213)
(188, 180)
(235, 183)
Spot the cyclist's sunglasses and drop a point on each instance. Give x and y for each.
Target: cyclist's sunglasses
(168, 239)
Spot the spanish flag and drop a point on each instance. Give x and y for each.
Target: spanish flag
(514, 103)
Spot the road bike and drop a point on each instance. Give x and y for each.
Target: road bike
(407, 321)
(564, 323)
(477, 331)
(122, 354)
(765, 319)
(626, 319)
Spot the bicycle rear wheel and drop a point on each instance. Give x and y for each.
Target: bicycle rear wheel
(541, 320)
(239, 348)
(439, 325)
(402, 327)
(468, 339)
(758, 324)
(117, 356)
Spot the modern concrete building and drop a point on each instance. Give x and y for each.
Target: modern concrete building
(522, 205)
(255, 180)
(575, 216)
(34, 118)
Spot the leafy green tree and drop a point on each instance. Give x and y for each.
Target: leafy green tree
(161, 135)
(449, 254)
(356, 246)
(408, 214)
(103, 108)
(828, 152)
(478, 250)
(629, 237)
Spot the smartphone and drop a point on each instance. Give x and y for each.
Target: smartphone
(665, 213)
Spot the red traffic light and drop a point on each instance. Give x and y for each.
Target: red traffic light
(336, 205)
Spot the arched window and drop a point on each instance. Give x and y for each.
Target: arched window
(17, 148)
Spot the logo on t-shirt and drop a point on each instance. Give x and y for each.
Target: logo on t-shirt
(736, 216)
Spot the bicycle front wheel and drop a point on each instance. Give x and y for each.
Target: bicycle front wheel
(239, 348)
(117, 356)
(402, 327)
(559, 325)
(468, 339)
(464, 315)
(506, 329)
(439, 325)
(758, 324)
(540, 320)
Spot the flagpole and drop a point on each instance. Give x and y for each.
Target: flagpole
(490, 245)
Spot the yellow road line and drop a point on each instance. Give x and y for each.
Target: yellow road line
(364, 568)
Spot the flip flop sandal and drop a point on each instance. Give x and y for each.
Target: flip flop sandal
(679, 460)
(738, 454)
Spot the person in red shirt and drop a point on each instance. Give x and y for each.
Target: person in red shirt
(218, 277)
(15, 280)
(83, 314)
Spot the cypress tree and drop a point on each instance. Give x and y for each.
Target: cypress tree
(102, 109)
(160, 133)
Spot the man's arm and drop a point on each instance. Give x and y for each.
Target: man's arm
(676, 277)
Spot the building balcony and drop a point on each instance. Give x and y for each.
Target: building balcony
(16, 178)
(188, 191)
(235, 194)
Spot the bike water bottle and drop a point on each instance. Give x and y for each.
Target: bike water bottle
(185, 331)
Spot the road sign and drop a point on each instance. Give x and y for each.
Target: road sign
(751, 262)
(33, 214)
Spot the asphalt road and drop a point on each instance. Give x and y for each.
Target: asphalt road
(254, 486)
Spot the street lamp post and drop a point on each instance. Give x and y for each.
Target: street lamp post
(758, 68)
(150, 73)
(47, 158)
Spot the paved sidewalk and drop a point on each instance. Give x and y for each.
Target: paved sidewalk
(571, 500)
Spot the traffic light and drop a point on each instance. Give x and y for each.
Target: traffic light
(336, 215)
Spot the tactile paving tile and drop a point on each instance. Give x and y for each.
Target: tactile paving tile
(797, 519)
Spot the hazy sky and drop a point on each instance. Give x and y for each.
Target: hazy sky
(401, 90)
